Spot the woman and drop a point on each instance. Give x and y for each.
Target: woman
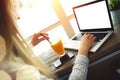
(18, 59)
(16, 46)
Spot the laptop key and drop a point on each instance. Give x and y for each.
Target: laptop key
(99, 36)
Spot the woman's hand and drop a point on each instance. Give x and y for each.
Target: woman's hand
(87, 41)
(38, 37)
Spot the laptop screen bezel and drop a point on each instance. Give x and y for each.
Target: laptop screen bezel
(101, 29)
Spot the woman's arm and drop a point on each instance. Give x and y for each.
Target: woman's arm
(80, 67)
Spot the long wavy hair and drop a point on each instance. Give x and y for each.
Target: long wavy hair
(14, 41)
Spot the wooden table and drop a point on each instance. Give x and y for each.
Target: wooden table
(110, 46)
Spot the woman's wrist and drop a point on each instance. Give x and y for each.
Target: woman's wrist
(83, 50)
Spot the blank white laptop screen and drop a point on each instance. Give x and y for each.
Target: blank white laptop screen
(92, 16)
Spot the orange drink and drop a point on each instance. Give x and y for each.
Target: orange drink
(58, 47)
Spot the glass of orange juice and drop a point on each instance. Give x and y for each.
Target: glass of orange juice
(58, 47)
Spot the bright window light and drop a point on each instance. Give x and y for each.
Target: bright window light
(35, 15)
(74, 25)
(69, 4)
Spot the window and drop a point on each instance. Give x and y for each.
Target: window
(35, 15)
(52, 16)
(74, 26)
(69, 4)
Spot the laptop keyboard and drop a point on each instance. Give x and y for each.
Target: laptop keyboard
(99, 36)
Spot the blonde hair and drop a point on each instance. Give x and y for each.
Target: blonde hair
(14, 39)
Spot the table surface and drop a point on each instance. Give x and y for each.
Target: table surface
(110, 46)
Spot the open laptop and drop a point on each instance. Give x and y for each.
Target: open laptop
(93, 17)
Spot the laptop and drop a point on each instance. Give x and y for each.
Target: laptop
(92, 17)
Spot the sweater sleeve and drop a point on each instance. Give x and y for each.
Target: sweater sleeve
(80, 68)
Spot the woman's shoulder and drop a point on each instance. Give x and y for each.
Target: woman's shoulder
(4, 75)
(28, 72)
